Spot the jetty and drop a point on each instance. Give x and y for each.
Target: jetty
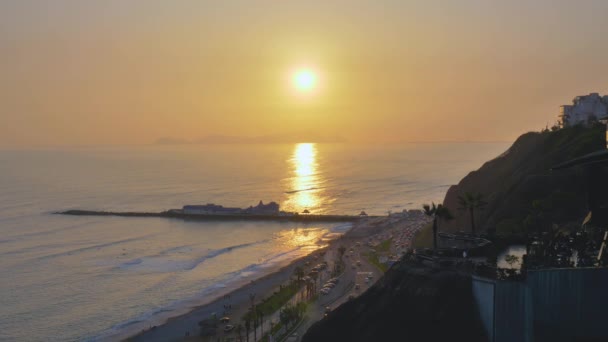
(180, 214)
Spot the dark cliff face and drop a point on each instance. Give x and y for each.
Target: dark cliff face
(511, 182)
(409, 303)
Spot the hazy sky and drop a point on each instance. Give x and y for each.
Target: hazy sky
(128, 72)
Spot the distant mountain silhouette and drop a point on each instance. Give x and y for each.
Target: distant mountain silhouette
(264, 139)
(171, 141)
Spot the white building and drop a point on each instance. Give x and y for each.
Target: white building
(584, 110)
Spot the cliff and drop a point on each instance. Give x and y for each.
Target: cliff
(521, 176)
(409, 303)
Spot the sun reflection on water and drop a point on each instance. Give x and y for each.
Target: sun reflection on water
(303, 237)
(306, 181)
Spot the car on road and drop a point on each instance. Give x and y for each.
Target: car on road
(327, 309)
(225, 319)
(325, 290)
(228, 328)
(357, 286)
(330, 285)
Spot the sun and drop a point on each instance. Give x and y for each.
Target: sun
(304, 80)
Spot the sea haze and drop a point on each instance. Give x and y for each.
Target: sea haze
(86, 278)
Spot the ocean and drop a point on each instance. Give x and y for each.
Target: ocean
(72, 278)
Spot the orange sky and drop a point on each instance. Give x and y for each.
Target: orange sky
(129, 72)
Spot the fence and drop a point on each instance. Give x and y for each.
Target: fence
(549, 305)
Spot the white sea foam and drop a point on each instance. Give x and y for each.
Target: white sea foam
(77, 278)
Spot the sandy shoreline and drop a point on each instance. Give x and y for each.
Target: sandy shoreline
(176, 328)
(186, 326)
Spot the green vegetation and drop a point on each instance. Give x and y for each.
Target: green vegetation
(292, 314)
(373, 259)
(424, 237)
(373, 256)
(275, 329)
(289, 317)
(511, 259)
(384, 246)
(542, 214)
(276, 301)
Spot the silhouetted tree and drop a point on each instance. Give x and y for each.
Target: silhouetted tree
(471, 202)
(256, 323)
(299, 273)
(314, 277)
(239, 331)
(341, 251)
(261, 322)
(511, 259)
(254, 316)
(247, 326)
(437, 212)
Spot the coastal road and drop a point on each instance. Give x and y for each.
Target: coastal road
(339, 294)
(187, 324)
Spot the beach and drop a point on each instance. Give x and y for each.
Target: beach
(125, 274)
(236, 303)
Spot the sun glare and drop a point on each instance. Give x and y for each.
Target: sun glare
(306, 182)
(304, 80)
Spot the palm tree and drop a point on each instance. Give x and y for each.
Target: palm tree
(247, 326)
(284, 316)
(299, 273)
(254, 316)
(309, 289)
(261, 323)
(252, 299)
(314, 277)
(471, 202)
(239, 331)
(255, 326)
(341, 251)
(437, 212)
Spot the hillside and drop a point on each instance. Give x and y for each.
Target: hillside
(521, 177)
(409, 303)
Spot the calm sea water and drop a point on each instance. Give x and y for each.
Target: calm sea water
(86, 278)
